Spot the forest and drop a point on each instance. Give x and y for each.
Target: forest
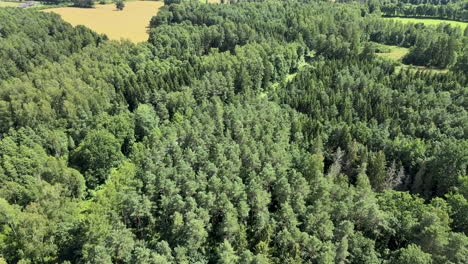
(256, 132)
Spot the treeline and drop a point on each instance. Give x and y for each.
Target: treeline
(76, 3)
(245, 133)
(451, 11)
(441, 9)
(422, 2)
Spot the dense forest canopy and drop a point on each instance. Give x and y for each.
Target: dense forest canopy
(255, 132)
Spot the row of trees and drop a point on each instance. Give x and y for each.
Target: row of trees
(442, 9)
(422, 2)
(84, 3)
(119, 4)
(454, 11)
(246, 133)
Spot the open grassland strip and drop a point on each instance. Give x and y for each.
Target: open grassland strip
(429, 21)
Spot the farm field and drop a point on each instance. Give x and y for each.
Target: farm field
(8, 4)
(131, 23)
(428, 21)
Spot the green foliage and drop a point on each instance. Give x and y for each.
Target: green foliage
(29, 39)
(412, 254)
(441, 52)
(263, 132)
(96, 155)
(459, 211)
(84, 3)
(120, 5)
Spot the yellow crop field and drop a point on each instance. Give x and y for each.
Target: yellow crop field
(131, 23)
(8, 4)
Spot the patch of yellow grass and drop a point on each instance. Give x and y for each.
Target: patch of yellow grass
(131, 23)
(8, 4)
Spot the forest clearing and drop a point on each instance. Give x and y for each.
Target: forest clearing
(398, 53)
(393, 52)
(130, 23)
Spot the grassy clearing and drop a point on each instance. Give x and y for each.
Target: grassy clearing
(392, 52)
(8, 4)
(131, 23)
(397, 53)
(428, 21)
